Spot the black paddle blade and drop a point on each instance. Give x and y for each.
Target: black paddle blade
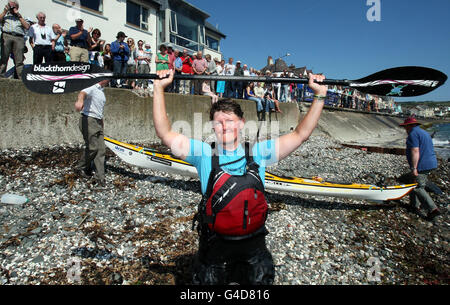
(401, 82)
(64, 77)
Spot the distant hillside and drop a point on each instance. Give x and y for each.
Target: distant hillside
(426, 103)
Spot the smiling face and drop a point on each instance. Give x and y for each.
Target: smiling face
(227, 127)
(41, 18)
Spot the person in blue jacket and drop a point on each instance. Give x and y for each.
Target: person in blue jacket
(120, 52)
(422, 160)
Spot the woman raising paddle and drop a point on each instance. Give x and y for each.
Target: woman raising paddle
(232, 214)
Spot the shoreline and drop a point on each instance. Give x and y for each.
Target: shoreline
(138, 230)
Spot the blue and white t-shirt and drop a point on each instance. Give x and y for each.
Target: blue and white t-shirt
(263, 153)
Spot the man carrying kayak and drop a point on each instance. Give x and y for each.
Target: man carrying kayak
(232, 214)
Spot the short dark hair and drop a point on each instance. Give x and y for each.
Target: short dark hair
(226, 105)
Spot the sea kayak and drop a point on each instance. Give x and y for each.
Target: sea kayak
(152, 159)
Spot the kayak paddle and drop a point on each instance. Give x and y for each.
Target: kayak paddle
(66, 77)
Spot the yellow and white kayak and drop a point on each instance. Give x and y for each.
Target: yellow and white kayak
(148, 158)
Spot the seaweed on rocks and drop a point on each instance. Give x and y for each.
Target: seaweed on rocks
(123, 183)
(138, 230)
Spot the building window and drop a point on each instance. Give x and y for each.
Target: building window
(201, 34)
(212, 43)
(95, 5)
(186, 27)
(137, 15)
(173, 22)
(184, 43)
(91, 5)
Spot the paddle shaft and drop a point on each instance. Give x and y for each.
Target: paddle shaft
(262, 79)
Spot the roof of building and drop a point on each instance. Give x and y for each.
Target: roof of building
(279, 66)
(213, 29)
(157, 2)
(187, 5)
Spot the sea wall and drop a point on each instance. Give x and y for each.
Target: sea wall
(28, 119)
(356, 127)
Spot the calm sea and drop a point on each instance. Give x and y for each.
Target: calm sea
(441, 139)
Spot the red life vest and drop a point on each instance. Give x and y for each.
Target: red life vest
(234, 207)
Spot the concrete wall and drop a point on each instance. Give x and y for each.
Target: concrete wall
(348, 126)
(28, 119)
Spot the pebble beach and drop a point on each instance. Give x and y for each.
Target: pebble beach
(137, 229)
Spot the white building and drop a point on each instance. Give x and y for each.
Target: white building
(170, 22)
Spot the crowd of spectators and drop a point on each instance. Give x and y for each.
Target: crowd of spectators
(124, 56)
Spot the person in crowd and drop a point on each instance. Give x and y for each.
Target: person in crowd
(14, 28)
(60, 43)
(178, 67)
(350, 99)
(143, 62)
(42, 40)
(211, 70)
(293, 92)
(199, 66)
(67, 52)
(259, 90)
(120, 52)
(80, 40)
(131, 63)
(261, 108)
(96, 48)
(185, 85)
(284, 89)
(246, 71)
(355, 99)
(232, 250)
(162, 59)
(422, 161)
(229, 69)
(269, 97)
(206, 90)
(220, 68)
(239, 85)
(108, 57)
(372, 105)
(91, 102)
(171, 54)
(148, 53)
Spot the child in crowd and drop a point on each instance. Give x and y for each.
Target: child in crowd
(206, 90)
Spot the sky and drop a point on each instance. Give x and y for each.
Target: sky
(335, 37)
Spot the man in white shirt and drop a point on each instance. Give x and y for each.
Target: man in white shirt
(91, 102)
(42, 40)
(229, 70)
(246, 70)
